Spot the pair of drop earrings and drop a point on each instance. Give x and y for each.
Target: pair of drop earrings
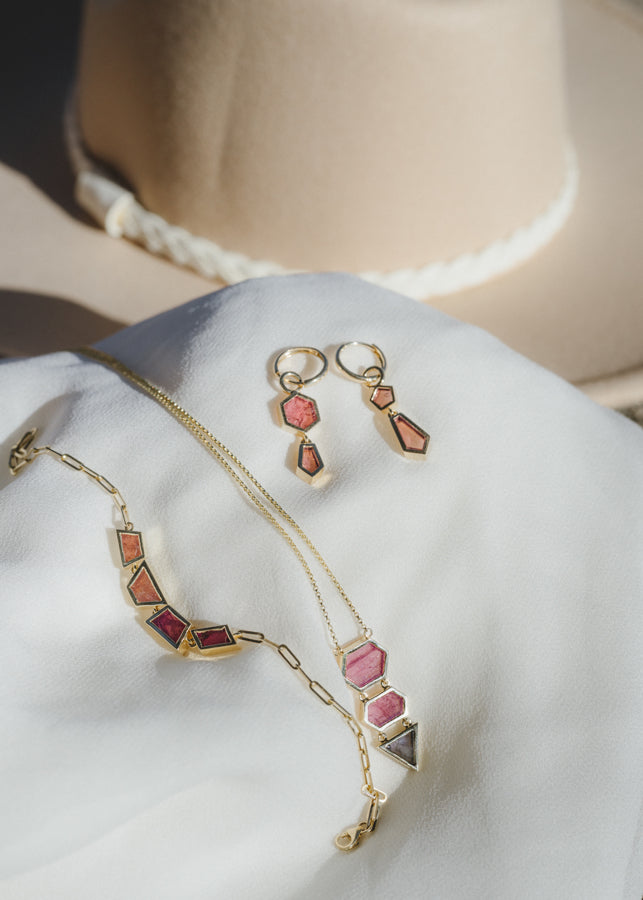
(300, 412)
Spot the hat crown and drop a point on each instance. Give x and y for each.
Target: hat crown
(330, 135)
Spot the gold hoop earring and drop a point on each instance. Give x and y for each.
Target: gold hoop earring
(413, 440)
(300, 412)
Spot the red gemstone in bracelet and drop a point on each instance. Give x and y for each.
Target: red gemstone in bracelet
(143, 589)
(213, 638)
(170, 625)
(130, 544)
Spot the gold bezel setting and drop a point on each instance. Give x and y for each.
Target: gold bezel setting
(309, 477)
(123, 532)
(144, 570)
(383, 726)
(405, 757)
(169, 610)
(395, 418)
(199, 635)
(353, 649)
(309, 402)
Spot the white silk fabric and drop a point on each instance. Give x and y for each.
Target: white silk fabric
(503, 574)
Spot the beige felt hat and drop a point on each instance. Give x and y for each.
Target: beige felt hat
(486, 158)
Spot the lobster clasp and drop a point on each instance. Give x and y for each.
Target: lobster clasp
(349, 839)
(22, 453)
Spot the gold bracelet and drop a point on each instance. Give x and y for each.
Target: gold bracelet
(192, 639)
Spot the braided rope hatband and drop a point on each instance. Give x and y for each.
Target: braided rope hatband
(121, 215)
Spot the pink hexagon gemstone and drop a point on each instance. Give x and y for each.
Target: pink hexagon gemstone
(364, 665)
(300, 412)
(384, 709)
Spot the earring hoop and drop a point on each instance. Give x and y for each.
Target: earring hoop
(292, 381)
(372, 375)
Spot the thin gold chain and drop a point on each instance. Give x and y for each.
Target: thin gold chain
(226, 458)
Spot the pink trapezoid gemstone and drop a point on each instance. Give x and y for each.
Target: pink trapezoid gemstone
(382, 396)
(213, 638)
(170, 625)
(364, 665)
(130, 543)
(411, 437)
(385, 708)
(142, 587)
(299, 412)
(310, 462)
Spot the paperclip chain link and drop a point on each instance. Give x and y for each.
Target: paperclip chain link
(24, 452)
(349, 838)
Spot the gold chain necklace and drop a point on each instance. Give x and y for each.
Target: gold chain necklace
(363, 661)
(199, 639)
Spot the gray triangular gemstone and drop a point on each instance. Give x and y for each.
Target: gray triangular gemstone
(403, 747)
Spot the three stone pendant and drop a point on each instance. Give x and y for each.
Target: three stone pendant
(364, 664)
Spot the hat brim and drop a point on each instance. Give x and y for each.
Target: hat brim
(575, 307)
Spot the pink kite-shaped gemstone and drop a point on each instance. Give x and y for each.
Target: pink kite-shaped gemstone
(412, 438)
(310, 461)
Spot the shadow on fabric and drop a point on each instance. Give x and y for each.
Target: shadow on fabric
(54, 324)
